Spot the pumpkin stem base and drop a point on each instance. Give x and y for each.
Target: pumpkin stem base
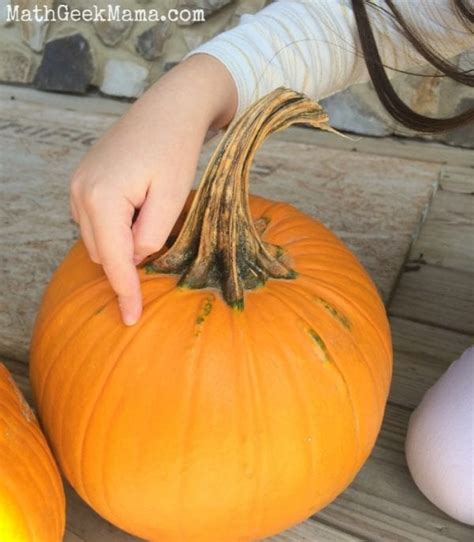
(219, 245)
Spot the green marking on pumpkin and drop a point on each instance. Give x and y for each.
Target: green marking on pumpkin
(205, 311)
(342, 318)
(150, 268)
(291, 275)
(184, 286)
(100, 309)
(279, 252)
(238, 305)
(321, 345)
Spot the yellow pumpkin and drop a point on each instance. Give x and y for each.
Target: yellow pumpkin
(32, 507)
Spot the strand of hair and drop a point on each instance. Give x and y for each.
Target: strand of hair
(384, 89)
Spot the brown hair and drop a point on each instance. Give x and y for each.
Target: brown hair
(384, 89)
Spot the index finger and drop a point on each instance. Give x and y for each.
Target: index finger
(114, 242)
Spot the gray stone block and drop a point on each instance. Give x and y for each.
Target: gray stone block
(67, 65)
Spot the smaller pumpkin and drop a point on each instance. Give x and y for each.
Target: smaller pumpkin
(32, 504)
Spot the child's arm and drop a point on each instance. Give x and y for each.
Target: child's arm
(148, 159)
(313, 46)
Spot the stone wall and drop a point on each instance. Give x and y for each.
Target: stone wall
(358, 109)
(122, 58)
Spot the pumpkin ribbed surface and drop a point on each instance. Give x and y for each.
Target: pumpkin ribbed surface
(31, 493)
(212, 422)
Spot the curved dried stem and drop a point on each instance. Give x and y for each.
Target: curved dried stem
(219, 245)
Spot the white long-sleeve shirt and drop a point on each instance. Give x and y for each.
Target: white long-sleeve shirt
(312, 46)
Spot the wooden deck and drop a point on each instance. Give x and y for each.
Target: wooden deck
(432, 318)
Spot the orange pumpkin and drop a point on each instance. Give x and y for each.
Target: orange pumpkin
(253, 388)
(32, 507)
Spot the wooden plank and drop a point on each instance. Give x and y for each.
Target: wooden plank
(85, 525)
(451, 208)
(390, 146)
(91, 103)
(447, 236)
(387, 146)
(457, 179)
(315, 531)
(375, 518)
(374, 203)
(422, 355)
(437, 296)
(443, 245)
(383, 502)
(69, 536)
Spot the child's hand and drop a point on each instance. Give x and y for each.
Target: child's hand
(147, 161)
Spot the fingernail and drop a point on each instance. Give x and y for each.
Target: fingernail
(130, 316)
(129, 319)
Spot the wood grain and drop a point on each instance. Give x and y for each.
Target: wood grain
(455, 159)
(447, 237)
(383, 502)
(388, 146)
(455, 178)
(422, 354)
(437, 296)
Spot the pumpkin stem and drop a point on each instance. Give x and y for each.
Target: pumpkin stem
(219, 245)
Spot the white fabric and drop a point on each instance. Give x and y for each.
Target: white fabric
(440, 441)
(312, 46)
